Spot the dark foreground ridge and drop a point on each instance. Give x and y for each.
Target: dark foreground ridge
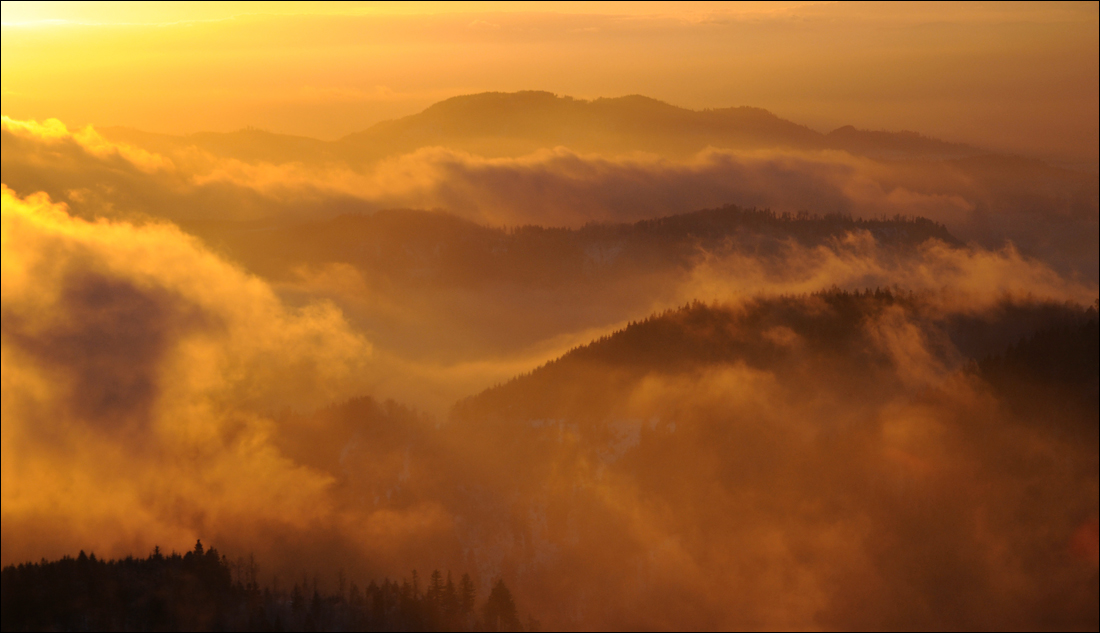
(202, 591)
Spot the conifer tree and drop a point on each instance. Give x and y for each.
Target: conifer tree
(500, 610)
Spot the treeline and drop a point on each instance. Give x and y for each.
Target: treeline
(722, 221)
(685, 338)
(197, 591)
(425, 246)
(1058, 364)
(1060, 355)
(1064, 353)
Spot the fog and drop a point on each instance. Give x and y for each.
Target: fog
(1044, 211)
(815, 460)
(656, 367)
(798, 487)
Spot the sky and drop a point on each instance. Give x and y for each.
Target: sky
(1021, 78)
(640, 362)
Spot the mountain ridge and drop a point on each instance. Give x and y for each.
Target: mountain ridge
(454, 250)
(509, 124)
(790, 334)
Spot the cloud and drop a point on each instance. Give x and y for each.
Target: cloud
(445, 339)
(55, 133)
(851, 470)
(963, 278)
(836, 469)
(1045, 212)
(140, 372)
(559, 187)
(443, 343)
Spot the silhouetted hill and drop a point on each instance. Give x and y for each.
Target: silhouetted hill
(882, 144)
(822, 341)
(1046, 212)
(436, 247)
(585, 382)
(854, 409)
(511, 124)
(1055, 364)
(506, 123)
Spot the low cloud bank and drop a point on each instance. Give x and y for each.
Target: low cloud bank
(1044, 211)
(778, 459)
(140, 372)
(825, 461)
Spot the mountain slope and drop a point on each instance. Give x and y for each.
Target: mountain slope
(825, 341)
(429, 247)
(506, 124)
(842, 438)
(512, 124)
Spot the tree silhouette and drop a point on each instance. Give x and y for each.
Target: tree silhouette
(196, 591)
(500, 610)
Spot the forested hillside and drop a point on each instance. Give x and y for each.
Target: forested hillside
(425, 247)
(1047, 344)
(202, 590)
(730, 316)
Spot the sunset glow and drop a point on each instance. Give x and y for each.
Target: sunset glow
(620, 315)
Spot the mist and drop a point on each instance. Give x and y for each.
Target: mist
(991, 200)
(848, 428)
(139, 373)
(699, 335)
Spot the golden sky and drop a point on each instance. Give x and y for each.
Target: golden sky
(1020, 77)
(613, 355)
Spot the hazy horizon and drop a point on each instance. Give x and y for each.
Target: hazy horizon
(1016, 78)
(639, 316)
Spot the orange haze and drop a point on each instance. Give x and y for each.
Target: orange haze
(657, 312)
(1018, 77)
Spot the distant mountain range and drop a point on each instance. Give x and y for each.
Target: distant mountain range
(1046, 212)
(509, 124)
